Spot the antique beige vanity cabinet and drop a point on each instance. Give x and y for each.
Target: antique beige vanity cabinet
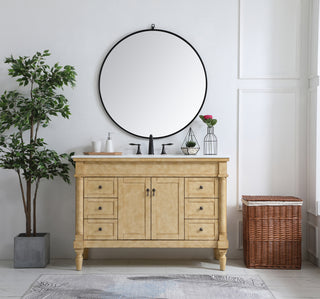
(151, 202)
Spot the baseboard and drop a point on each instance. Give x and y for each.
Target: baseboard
(313, 259)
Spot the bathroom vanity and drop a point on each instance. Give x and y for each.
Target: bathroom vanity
(151, 202)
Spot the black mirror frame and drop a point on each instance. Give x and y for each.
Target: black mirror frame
(165, 31)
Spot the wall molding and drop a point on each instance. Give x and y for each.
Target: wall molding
(313, 37)
(311, 199)
(313, 82)
(292, 91)
(271, 76)
(313, 251)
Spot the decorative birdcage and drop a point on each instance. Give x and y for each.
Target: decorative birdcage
(190, 145)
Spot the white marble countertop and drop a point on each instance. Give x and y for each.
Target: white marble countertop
(153, 156)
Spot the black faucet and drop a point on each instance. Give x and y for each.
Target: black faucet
(163, 152)
(151, 149)
(138, 149)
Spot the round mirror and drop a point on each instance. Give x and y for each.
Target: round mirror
(152, 82)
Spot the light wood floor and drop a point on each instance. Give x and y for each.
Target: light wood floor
(304, 283)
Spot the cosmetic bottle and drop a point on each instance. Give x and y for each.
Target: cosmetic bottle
(109, 144)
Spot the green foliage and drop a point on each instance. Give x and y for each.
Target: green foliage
(190, 144)
(33, 160)
(209, 121)
(23, 113)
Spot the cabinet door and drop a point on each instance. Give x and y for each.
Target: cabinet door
(134, 208)
(167, 208)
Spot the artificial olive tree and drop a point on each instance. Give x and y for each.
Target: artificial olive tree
(22, 113)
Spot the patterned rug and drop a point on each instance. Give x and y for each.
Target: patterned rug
(140, 286)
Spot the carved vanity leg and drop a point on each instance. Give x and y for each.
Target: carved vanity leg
(216, 254)
(86, 253)
(222, 259)
(78, 241)
(223, 243)
(79, 258)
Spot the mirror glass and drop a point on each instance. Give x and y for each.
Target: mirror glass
(152, 82)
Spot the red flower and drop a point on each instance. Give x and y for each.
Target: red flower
(207, 119)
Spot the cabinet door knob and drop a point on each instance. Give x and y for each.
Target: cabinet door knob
(201, 229)
(148, 191)
(100, 187)
(201, 208)
(201, 187)
(100, 208)
(100, 229)
(153, 192)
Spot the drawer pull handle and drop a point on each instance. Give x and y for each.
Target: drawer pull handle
(201, 229)
(201, 187)
(100, 187)
(153, 192)
(100, 208)
(201, 208)
(148, 190)
(100, 229)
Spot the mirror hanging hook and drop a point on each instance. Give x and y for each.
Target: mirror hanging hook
(153, 26)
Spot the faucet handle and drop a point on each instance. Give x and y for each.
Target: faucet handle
(138, 149)
(151, 148)
(163, 152)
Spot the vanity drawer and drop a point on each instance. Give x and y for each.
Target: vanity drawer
(201, 208)
(100, 187)
(100, 208)
(100, 229)
(201, 187)
(201, 229)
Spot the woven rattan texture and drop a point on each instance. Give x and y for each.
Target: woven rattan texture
(272, 236)
(270, 198)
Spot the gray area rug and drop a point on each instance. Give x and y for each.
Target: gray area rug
(142, 286)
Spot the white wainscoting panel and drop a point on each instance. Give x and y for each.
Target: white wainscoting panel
(313, 37)
(269, 39)
(312, 239)
(267, 142)
(312, 150)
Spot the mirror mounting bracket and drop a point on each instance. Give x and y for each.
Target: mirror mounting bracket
(153, 26)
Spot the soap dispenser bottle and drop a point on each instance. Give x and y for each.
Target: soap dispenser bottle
(109, 144)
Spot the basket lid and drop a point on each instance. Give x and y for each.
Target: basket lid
(269, 198)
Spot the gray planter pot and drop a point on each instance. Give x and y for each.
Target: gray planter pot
(32, 252)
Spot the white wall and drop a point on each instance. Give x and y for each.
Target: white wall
(255, 60)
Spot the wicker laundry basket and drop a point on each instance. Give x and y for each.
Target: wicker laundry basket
(272, 232)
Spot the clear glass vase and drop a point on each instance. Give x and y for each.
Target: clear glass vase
(210, 143)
